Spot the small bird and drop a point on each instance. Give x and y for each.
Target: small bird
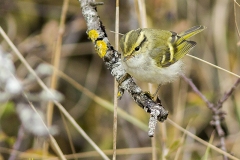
(154, 55)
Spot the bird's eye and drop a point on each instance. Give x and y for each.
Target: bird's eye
(137, 48)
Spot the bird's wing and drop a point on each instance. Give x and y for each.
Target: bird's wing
(172, 51)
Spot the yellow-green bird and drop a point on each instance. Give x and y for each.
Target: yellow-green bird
(154, 55)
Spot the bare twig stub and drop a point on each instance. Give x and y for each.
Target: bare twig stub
(112, 60)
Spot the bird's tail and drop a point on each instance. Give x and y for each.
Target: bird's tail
(191, 32)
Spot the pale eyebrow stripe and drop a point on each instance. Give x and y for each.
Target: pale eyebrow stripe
(140, 39)
(126, 40)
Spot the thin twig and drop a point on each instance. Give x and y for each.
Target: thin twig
(17, 144)
(195, 89)
(70, 140)
(213, 65)
(56, 61)
(228, 94)
(115, 86)
(218, 114)
(201, 141)
(56, 58)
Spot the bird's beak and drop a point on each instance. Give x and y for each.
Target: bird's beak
(126, 58)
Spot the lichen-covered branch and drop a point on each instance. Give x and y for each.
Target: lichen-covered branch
(112, 59)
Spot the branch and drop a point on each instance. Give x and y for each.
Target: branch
(112, 59)
(218, 114)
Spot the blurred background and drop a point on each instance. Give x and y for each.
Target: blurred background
(33, 26)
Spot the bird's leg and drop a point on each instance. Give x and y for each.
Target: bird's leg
(152, 95)
(159, 86)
